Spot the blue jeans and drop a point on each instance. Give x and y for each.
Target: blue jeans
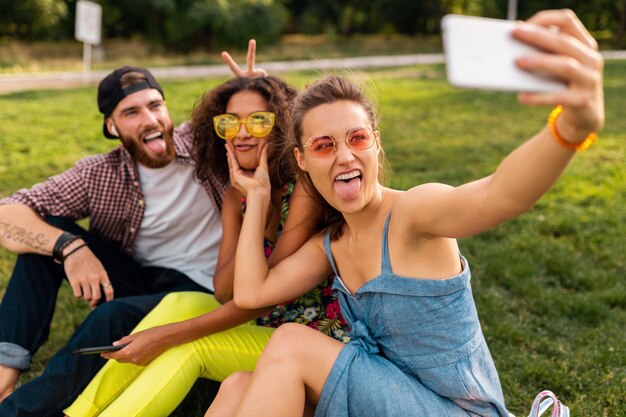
(28, 306)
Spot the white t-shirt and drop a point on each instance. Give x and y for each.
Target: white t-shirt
(181, 229)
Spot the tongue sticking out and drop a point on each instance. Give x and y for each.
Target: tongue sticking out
(156, 145)
(348, 190)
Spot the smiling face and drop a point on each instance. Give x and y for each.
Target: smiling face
(247, 147)
(347, 179)
(145, 128)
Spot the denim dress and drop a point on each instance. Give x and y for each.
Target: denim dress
(416, 349)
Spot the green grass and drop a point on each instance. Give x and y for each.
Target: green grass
(549, 285)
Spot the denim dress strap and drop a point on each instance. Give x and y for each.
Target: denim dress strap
(385, 261)
(329, 253)
(385, 266)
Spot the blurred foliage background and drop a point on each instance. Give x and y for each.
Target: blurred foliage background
(185, 25)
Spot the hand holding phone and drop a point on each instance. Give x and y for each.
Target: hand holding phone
(98, 349)
(481, 53)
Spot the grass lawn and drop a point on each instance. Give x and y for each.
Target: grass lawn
(549, 285)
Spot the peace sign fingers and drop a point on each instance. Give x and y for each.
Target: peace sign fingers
(250, 71)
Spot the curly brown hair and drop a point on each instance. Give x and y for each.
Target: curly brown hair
(209, 153)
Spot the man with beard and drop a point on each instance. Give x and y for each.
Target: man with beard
(153, 229)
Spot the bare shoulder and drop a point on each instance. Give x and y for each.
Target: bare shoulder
(428, 188)
(317, 241)
(419, 205)
(299, 191)
(314, 247)
(419, 195)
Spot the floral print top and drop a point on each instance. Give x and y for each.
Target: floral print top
(319, 308)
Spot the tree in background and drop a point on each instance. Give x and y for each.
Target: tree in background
(233, 22)
(32, 19)
(189, 24)
(314, 17)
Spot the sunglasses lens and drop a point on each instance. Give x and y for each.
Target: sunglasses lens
(360, 139)
(260, 124)
(321, 146)
(226, 126)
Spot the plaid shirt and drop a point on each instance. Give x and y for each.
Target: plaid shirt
(106, 188)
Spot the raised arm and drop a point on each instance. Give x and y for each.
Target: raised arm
(304, 212)
(530, 170)
(256, 284)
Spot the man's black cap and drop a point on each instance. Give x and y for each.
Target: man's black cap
(110, 91)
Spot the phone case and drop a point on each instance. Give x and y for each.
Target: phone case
(481, 52)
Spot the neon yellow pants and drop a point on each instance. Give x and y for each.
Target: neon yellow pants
(122, 389)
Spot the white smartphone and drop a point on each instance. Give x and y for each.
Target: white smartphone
(481, 52)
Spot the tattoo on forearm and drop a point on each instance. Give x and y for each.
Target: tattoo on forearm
(18, 234)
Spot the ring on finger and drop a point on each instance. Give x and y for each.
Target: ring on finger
(106, 284)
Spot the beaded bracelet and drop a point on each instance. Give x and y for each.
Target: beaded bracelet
(576, 147)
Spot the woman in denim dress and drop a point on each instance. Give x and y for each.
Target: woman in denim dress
(416, 345)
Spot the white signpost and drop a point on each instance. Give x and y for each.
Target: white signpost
(512, 10)
(88, 29)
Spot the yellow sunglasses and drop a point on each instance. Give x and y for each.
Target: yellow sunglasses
(258, 124)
